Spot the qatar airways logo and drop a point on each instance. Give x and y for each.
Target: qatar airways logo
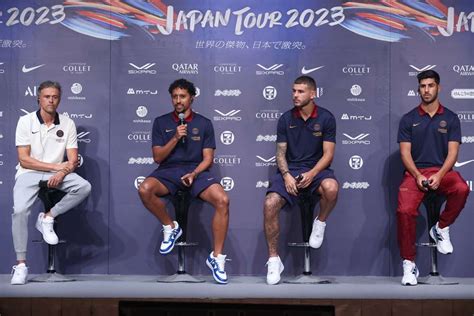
(355, 185)
(186, 69)
(464, 70)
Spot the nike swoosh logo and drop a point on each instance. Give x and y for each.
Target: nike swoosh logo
(305, 71)
(460, 164)
(169, 130)
(416, 124)
(28, 69)
(34, 132)
(293, 126)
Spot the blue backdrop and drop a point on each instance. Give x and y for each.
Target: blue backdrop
(115, 64)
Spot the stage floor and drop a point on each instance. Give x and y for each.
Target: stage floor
(239, 287)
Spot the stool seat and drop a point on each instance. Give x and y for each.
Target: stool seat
(433, 203)
(50, 197)
(181, 202)
(306, 203)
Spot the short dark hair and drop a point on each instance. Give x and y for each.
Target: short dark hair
(183, 84)
(50, 84)
(307, 80)
(428, 74)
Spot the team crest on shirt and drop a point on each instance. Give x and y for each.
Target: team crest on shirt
(442, 127)
(60, 134)
(195, 131)
(317, 130)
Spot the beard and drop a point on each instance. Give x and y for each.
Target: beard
(429, 98)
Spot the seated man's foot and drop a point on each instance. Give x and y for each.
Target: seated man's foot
(317, 234)
(20, 274)
(217, 266)
(275, 268)
(441, 236)
(45, 225)
(170, 235)
(410, 273)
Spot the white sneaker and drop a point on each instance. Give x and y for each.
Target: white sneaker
(45, 225)
(217, 266)
(317, 234)
(275, 268)
(441, 236)
(170, 236)
(20, 273)
(410, 273)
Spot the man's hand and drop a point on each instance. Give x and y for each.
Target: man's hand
(419, 182)
(290, 184)
(181, 131)
(56, 179)
(435, 181)
(188, 178)
(306, 179)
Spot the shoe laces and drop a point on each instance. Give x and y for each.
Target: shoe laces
(273, 266)
(16, 268)
(409, 268)
(48, 224)
(168, 233)
(218, 262)
(318, 229)
(443, 232)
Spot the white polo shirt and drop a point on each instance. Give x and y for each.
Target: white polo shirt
(47, 144)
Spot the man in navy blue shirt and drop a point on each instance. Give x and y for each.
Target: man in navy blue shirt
(306, 137)
(429, 137)
(183, 146)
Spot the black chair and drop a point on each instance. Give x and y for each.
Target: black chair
(433, 203)
(50, 197)
(181, 202)
(306, 203)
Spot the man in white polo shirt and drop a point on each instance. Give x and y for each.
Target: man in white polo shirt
(42, 139)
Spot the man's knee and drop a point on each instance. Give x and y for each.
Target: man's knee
(330, 189)
(272, 204)
(85, 187)
(145, 190)
(222, 201)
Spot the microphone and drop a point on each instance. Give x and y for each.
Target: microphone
(181, 122)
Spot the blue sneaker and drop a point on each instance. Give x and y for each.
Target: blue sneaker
(170, 235)
(216, 264)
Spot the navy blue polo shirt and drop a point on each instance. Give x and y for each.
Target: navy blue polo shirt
(200, 136)
(305, 138)
(429, 136)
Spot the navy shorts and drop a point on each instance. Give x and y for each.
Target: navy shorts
(171, 179)
(277, 184)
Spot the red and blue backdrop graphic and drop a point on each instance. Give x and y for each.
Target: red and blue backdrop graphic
(115, 60)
